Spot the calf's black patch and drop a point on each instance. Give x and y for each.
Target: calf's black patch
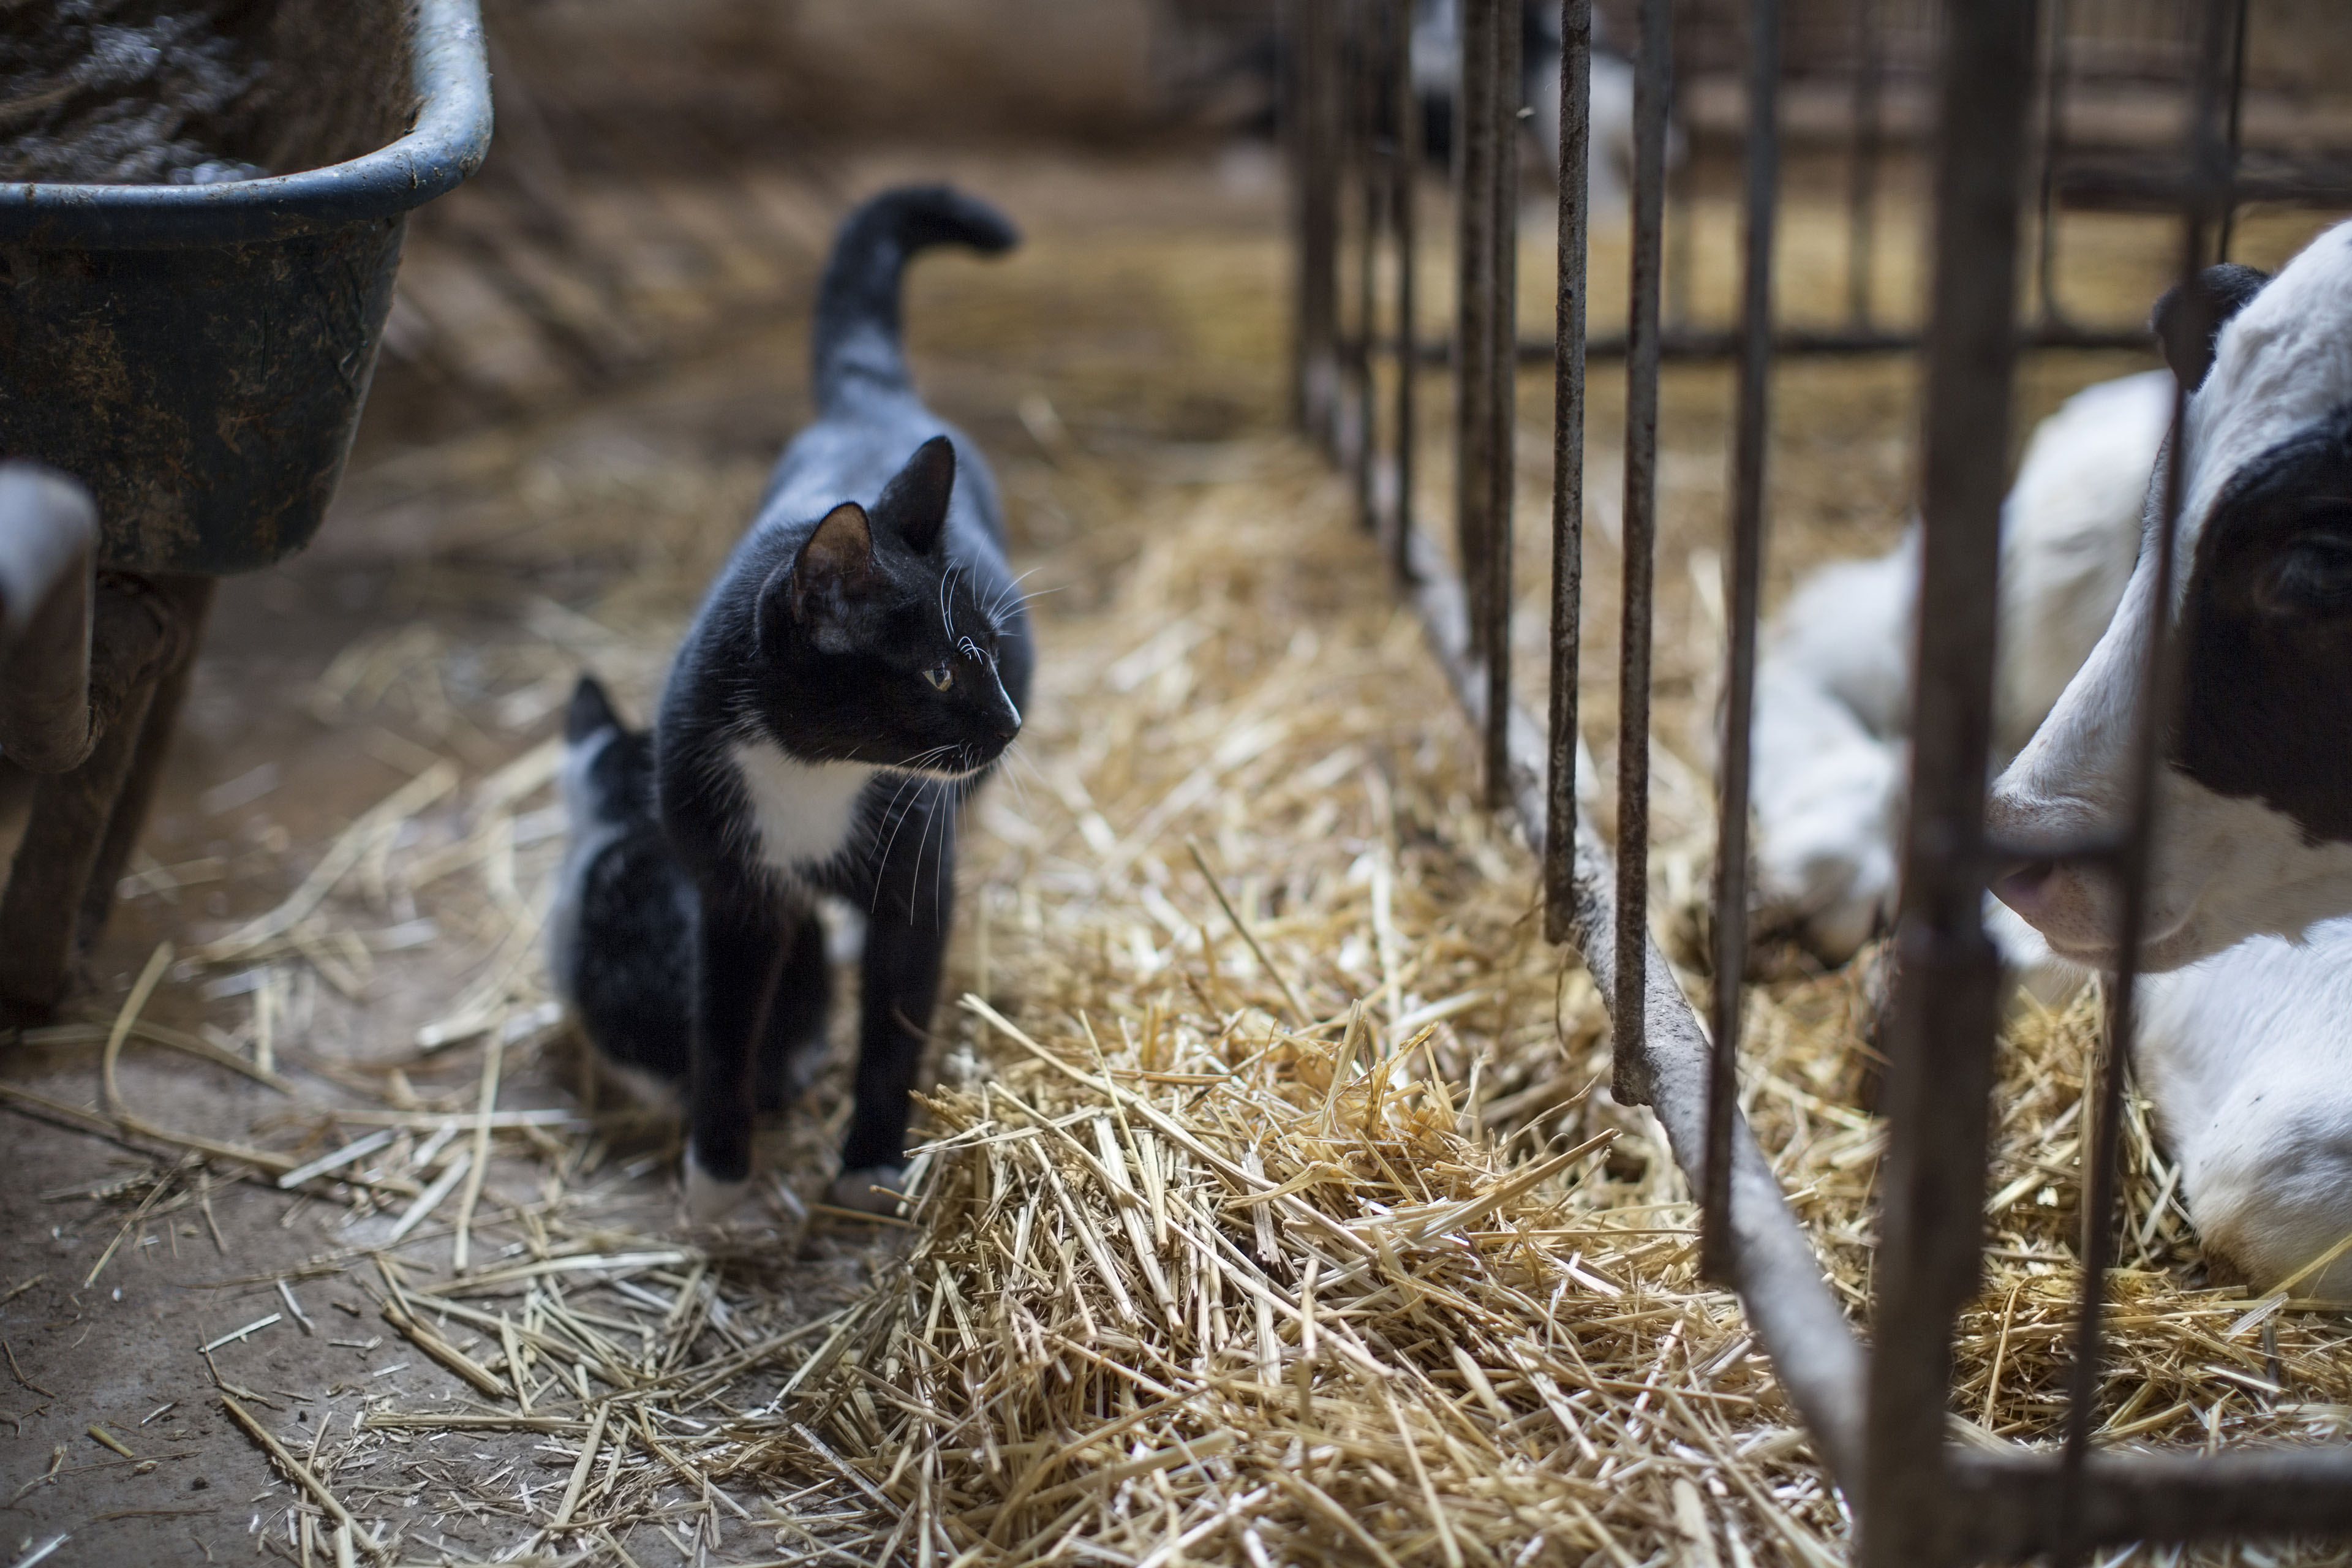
(2266, 630)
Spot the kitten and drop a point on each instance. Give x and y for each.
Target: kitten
(851, 677)
(621, 934)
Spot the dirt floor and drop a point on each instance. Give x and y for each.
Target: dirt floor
(385, 706)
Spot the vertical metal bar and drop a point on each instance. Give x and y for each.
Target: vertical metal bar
(1862, 188)
(1502, 397)
(1568, 464)
(1682, 231)
(1474, 196)
(1746, 576)
(1315, 195)
(1407, 174)
(1939, 1072)
(1363, 99)
(1653, 83)
(2053, 143)
(2237, 116)
(2206, 192)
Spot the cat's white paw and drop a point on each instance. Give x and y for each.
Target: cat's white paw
(707, 1198)
(874, 1190)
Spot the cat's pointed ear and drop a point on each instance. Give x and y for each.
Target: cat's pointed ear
(838, 558)
(835, 565)
(914, 504)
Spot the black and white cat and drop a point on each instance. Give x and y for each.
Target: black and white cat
(852, 676)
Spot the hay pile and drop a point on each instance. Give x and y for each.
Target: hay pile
(1365, 1100)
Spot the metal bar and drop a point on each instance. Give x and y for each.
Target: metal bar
(1939, 1072)
(2010, 1507)
(2279, 179)
(2237, 126)
(1474, 335)
(1314, 194)
(1568, 465)
(1745, 604)
(1682, 198)
(1779, 1278)
(1722, 343)
(1406, 175)
(1652, 85)
(1363, 81)
(1861, 190)
(1502, 397)
(2149, 724)
(2053, 140)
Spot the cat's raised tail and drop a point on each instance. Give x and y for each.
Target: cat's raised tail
(856, 333)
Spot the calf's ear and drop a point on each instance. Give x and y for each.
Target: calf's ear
(2191, 315)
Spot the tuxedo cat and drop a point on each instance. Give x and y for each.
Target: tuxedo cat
(852, 676)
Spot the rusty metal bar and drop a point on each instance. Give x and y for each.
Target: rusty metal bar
(2276, 178)
(1939, 1072)
(2235, 133)
(1473, 332)
(1722, 343)
(1862, 186)
(1363, 101)
(48, 543)
(1681, 197)
(1501, 367)
(1405, 172)
(1745, 603)
(2054, 69)
(1653, 84)
(2006, 1507)
(1780, 1282)
(2210, 157)
(1560, 830)
(1311, 131)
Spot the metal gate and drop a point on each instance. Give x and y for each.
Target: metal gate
(1878, 1418)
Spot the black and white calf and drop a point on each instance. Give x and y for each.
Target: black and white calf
(2244, 1053)
(2254, 816)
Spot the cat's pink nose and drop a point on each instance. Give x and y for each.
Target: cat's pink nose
(2027, 889)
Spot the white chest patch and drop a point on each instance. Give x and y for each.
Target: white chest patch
(802, 813)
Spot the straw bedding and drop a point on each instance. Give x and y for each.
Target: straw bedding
(1273, 1210)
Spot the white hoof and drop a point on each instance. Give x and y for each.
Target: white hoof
(874, 1190)
(709, 1199)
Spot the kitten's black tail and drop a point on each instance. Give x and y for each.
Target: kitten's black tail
(857, 330)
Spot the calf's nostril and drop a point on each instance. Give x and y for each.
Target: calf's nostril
(2023, 888)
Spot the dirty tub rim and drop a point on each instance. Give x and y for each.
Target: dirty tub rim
(443, 146)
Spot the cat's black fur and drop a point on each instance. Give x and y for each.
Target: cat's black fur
(853, 674)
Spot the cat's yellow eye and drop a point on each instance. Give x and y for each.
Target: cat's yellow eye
(941, 677)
